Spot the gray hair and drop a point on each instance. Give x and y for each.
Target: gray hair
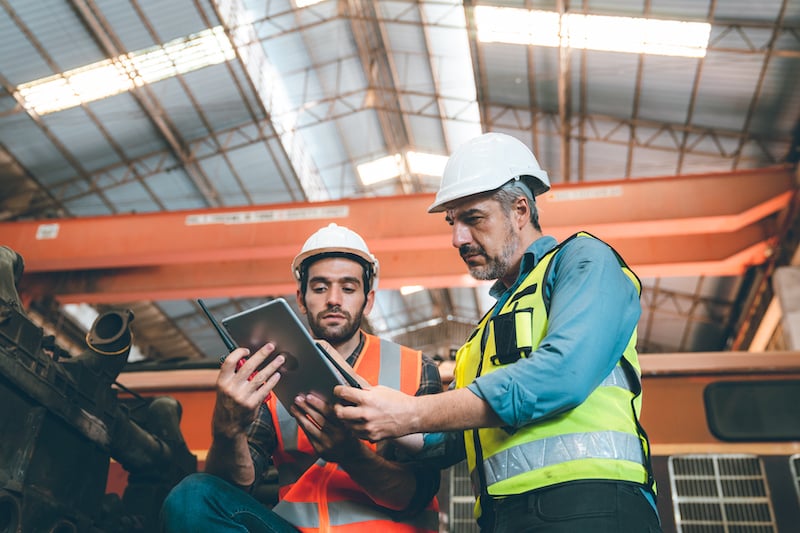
(507, 194)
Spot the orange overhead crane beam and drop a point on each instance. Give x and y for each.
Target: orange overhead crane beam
(713, 224)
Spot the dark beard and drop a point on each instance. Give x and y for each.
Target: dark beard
(337, 334)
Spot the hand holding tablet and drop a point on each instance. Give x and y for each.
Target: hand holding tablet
(308, 367)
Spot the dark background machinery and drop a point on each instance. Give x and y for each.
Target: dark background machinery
(62, 422)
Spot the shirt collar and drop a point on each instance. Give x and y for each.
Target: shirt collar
(353, 357)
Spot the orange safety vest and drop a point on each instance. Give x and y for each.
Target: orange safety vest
(317, 496)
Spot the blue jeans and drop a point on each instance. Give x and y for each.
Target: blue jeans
(202, 502)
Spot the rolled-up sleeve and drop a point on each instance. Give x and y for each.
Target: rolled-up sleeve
(594, 309)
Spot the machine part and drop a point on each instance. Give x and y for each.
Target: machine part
(11, 268)
(10, 512)
(62, 423)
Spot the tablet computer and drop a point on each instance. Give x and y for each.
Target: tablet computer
(308, 367)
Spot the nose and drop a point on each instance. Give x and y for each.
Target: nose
(461, 235)
(335, 296)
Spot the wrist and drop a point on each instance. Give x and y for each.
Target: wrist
(416, 420)
(228, 432)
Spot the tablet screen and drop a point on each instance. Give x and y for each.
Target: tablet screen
(307, 368)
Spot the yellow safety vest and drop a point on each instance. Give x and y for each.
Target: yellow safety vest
(599, 439)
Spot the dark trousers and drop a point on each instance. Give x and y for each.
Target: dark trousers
(577, 506)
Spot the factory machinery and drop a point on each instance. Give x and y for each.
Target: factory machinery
(62, 422)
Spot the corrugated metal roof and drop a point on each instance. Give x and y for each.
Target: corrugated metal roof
(316, 91)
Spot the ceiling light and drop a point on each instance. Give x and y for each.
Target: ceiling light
(305, 3)
(379, 170)
(389, 167)
(426, 164)
(592, 32)
(122, 73)
(405, 290)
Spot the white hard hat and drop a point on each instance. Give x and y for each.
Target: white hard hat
(484, 164)
(337, 240)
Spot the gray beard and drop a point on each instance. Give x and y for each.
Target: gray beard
(496, 267)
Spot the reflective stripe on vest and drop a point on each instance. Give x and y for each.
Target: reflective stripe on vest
(390, 365)
(289, 471)
(617, 378)
(343, 513)
(560, 449)
(288, 425)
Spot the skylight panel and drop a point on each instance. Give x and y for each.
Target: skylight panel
(592, 32)
(122, 73)
(407, 290)
(305, 3)
(379, 170)
(391, 166)
(426, 164)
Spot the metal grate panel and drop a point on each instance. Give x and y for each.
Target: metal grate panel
(720, 494)
(462, 500)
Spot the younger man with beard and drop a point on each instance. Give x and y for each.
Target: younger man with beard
(329, 479)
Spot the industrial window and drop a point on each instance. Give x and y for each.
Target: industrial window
(753, 410)
(720, 494)
(462, 501)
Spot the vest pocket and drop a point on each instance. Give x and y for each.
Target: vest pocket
(511, 333)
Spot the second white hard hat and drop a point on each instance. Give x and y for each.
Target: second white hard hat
(484, 164)
(335, 239)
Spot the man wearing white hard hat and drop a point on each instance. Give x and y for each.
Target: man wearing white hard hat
(329, 480)
(547, 392)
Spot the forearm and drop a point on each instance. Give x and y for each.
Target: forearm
(240, 400)
(452, 410)
(229, 458)
(380, 412)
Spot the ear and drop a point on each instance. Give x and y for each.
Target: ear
(300, 303)
(521, 212)
(369, 303)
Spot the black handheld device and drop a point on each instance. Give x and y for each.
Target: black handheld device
(345, 374)
(226, 339)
